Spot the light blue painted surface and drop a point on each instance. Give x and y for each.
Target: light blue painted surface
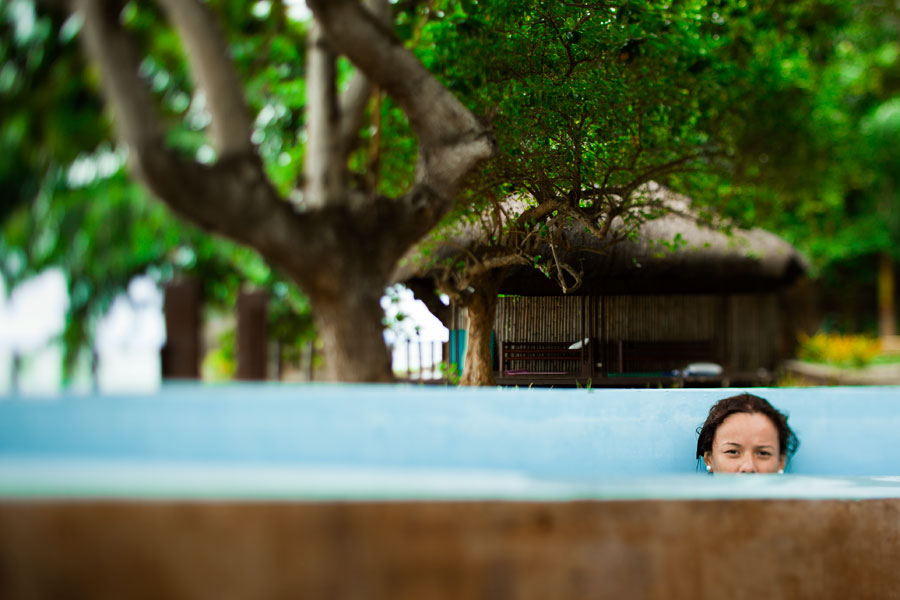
(581, 437)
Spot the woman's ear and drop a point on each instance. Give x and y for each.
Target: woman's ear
(781, 463)
(707, 459)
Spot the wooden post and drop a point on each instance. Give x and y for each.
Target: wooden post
(434, 358)
(252, 334)
(587, 360)
(180, 356)
(95, 370)
(421, 361)
(277, 368)
(604, 336)
(311, 356)
(887, 316)
(724, 334)
(408, 359)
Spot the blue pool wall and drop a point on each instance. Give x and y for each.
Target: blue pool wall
(569, 434)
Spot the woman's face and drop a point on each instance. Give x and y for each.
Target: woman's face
(745, 443)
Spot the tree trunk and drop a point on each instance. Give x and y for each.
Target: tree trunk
(887, 316)
(478, 367)
(352, 332)
(339, 230)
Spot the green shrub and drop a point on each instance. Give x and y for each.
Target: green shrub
(853, 351)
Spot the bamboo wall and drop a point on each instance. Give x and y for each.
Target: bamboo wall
(659, 318)
(540, 319)
(755, 325)
(543, 319)
(744, 328)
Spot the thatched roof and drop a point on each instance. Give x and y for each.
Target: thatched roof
(706, 260)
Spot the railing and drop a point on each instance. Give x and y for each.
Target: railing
(415, 359)
(547, 358)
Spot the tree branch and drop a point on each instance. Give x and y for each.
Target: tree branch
(535, 213)
(214, 72)
(355, 97)
(451, 140)
(486, 266)
(114, 51)
(354, 100)
(232, 197)
(324, 158)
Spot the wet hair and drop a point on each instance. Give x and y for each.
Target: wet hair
(746, 403)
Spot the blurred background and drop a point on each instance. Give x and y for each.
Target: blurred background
(87, 255)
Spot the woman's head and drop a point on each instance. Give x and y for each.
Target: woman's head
(745, 434)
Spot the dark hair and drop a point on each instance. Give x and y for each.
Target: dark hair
(746, 403)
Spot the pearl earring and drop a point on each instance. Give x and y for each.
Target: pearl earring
(781, 471)
(709, 468)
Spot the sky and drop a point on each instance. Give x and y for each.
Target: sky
(297, 9)
(130, 335)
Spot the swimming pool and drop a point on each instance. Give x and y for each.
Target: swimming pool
(580, 436)
(413, 492)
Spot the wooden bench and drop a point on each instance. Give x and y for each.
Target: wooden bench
(642, 356)
(530, 354)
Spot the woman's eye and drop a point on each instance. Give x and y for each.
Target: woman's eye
(733, 452)
(765, 453)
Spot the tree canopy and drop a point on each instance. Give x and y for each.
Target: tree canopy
(59, 159)
(826, 152)
(589, 103)
(245, 123)
(329, 147)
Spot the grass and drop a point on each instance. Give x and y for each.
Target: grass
(886, 359)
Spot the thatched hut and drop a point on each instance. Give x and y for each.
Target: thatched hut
(715, 307)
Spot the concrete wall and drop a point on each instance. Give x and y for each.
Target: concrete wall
(556, 434)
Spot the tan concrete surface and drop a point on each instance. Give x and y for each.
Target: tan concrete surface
(733, 549)
(828, 375)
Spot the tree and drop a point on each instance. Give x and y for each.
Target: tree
(57, 163)
(589, 103)
(882, 130)
(831, 167)
(339, 239)
(38, 57)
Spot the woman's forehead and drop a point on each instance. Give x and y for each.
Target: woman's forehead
(743, 428)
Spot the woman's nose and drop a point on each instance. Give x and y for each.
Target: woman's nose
(747, 465)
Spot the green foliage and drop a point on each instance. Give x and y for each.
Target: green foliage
(102, 246)
(833, 190)
(449, 372)
(581, 95)
(37, 57)
(782, 114)
(791, 108)
(67, 200)
(220, 363)
(589, 100)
